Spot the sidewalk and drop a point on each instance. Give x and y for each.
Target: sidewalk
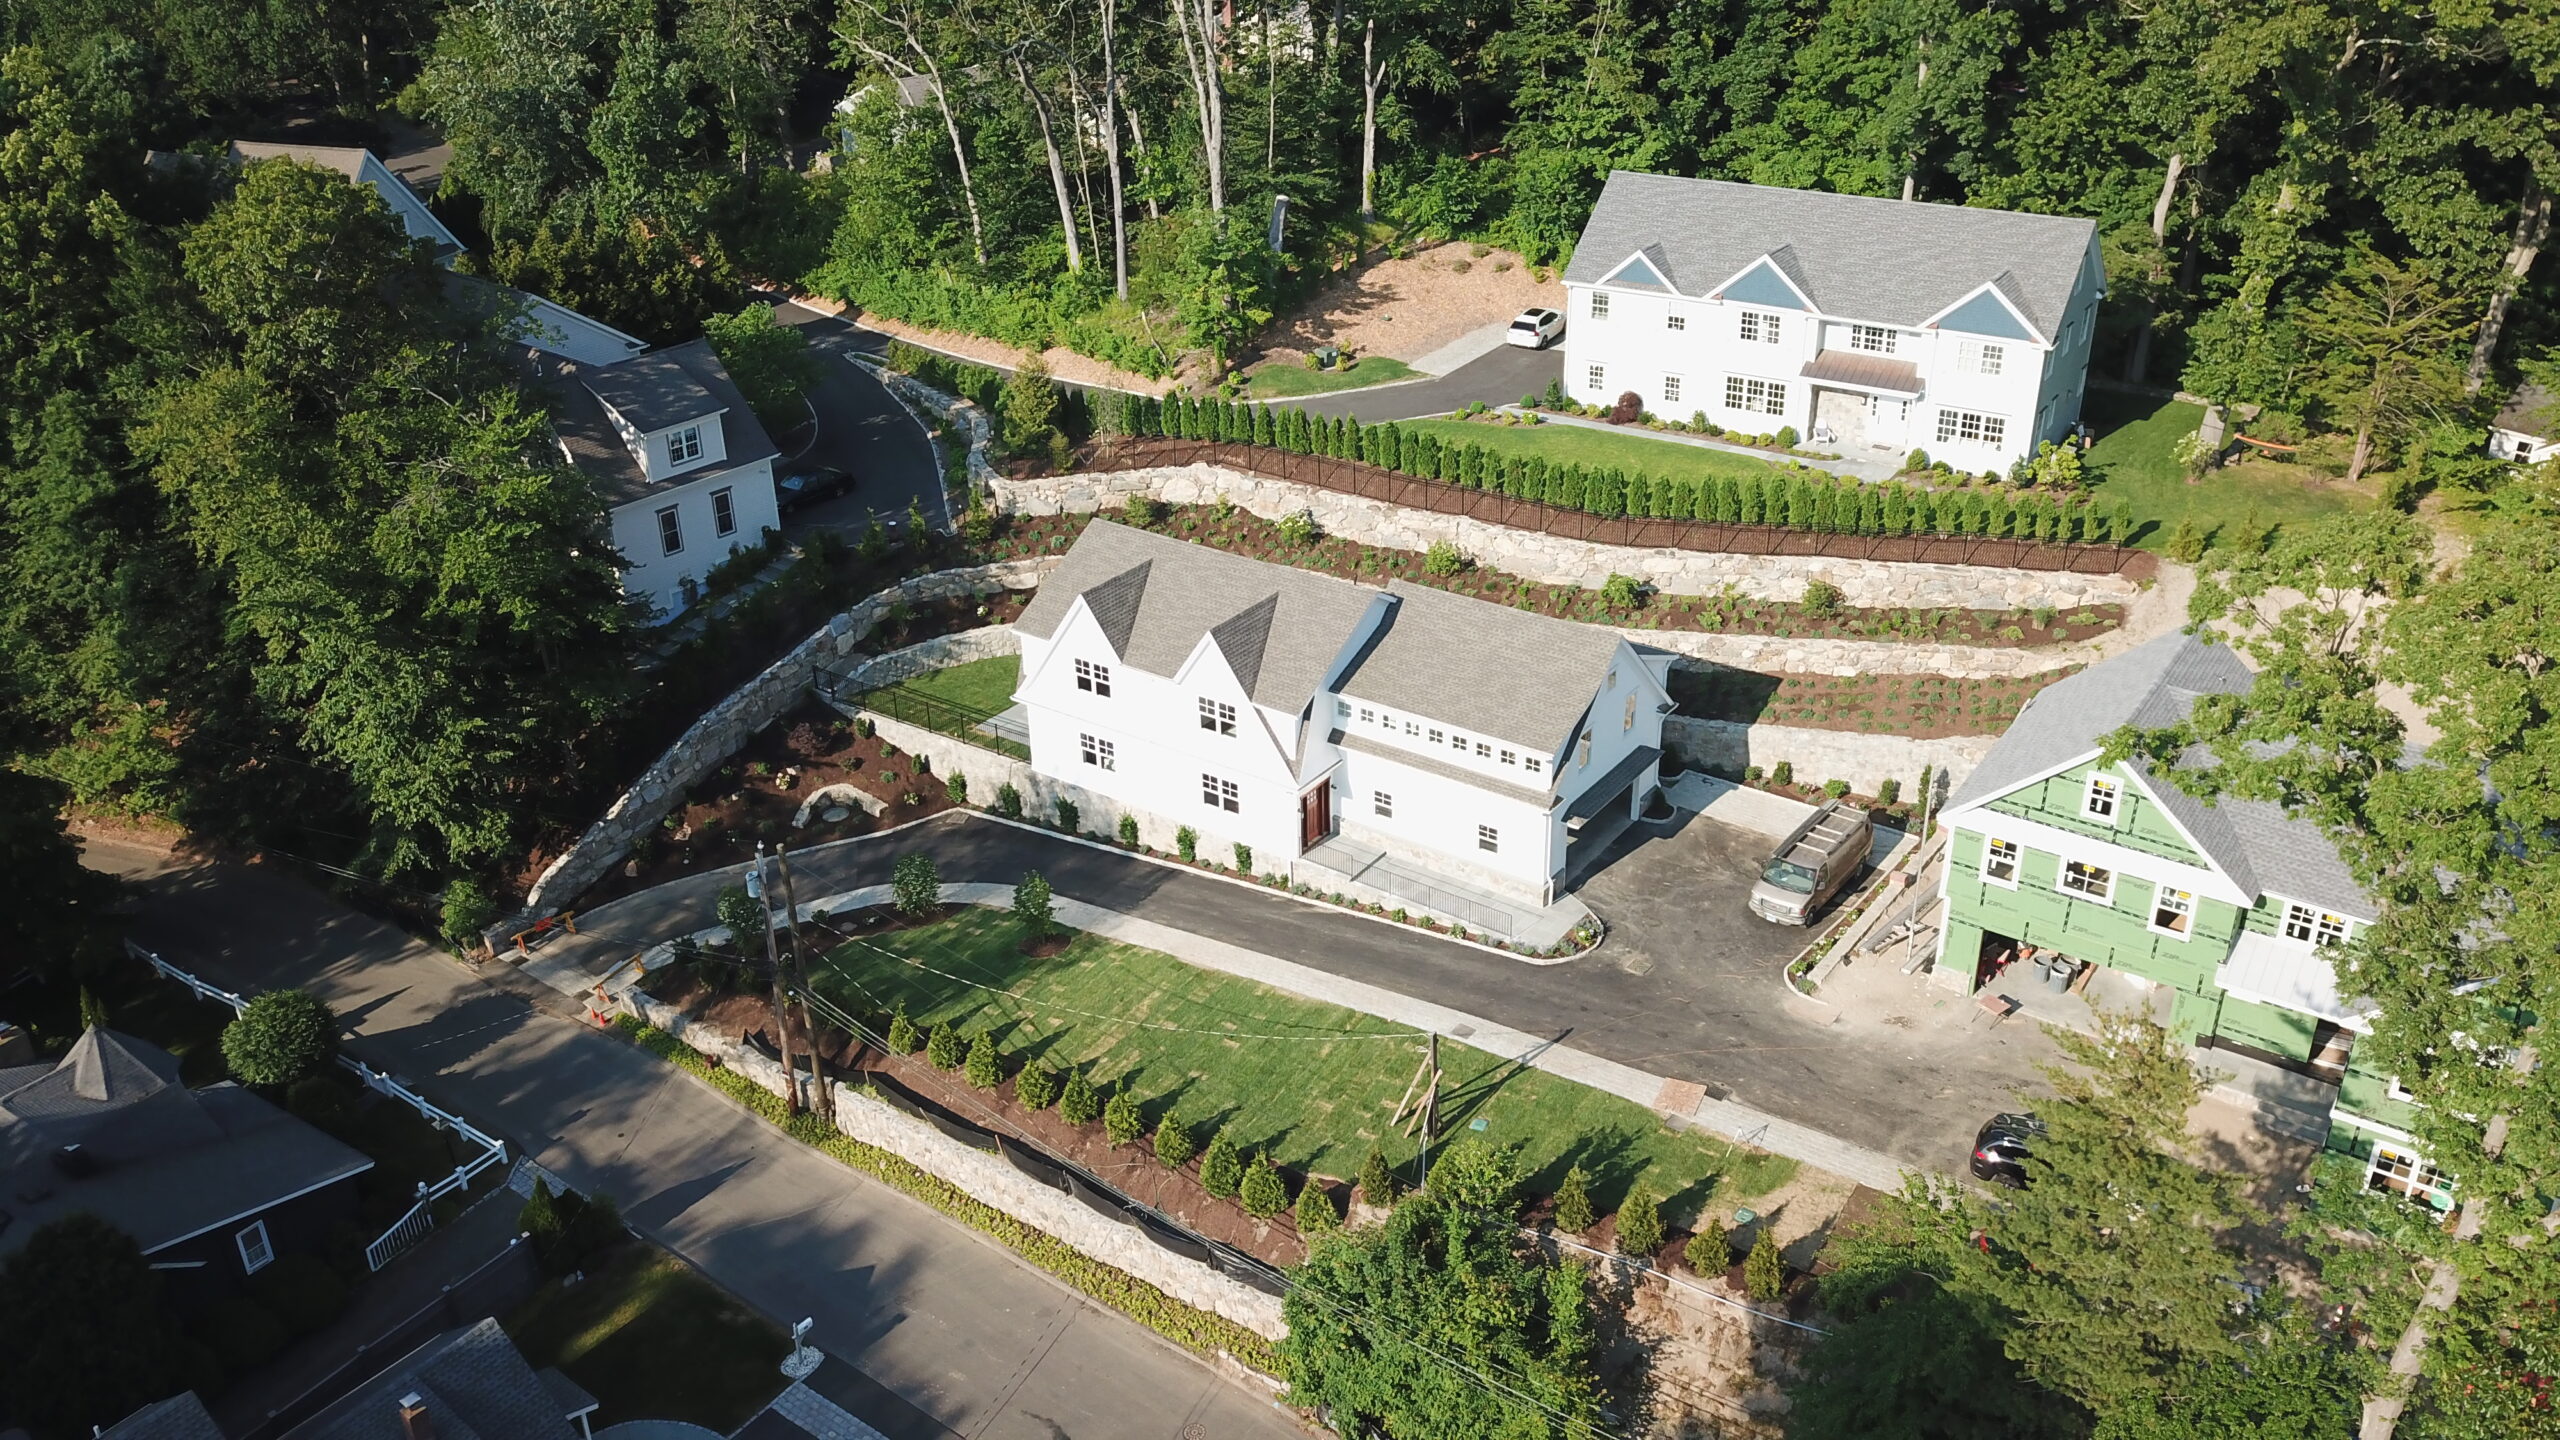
(1669, 1096)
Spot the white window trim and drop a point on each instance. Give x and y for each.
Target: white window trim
(1215, 790)
(684, 446)
(1093, 678)
(2154, 925)
(2062, 873)
(1489, 839)
(2347, 924)
(670, 530)
(1674, 320)
(2115, 800)
(1596, 377)
(1598, 309)
(2416, 1159)
(724, 511)
(254, 1260)
(1097, 752)
(1382, 804)
(2017, 861)
(2123, 859)
(1217, 717)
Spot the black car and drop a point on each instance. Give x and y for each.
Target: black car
(809, 486)
(2000, 1149)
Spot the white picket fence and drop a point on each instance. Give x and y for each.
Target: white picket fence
(414, 1226)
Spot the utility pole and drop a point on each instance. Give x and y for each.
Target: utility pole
(758, 887)
(821, 1093)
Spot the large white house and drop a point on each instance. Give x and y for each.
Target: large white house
(673, 448)
(1309, 717)
(1870, 327)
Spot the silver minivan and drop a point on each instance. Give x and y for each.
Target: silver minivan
(1811, 864)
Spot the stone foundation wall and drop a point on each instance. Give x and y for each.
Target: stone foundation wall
(987, 1178)
(725, 727)
(1725, 747)
(1559, 560)
(939, 653)
(1096, 814)
(1778, 655)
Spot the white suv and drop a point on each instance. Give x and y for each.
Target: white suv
(1535, 329)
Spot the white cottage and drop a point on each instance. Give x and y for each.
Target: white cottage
(1312, 718)
(1870, 327)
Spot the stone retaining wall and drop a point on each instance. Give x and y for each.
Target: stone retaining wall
(987, 1178)
(1560, 560)
(1726, 746)
(726, 726)
(952, 411)
(939, 653)
(1779, 655)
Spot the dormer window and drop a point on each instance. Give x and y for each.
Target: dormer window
(684, 446)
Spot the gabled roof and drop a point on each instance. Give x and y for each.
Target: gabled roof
(594, 446)
(180, 1417)
(2262, 849)
(663, 388)
(1889, 261)
(1647, 269)
(474, 1384)
(1484, 668)
(1280, 628)
(159, 1161)
(2531, 410)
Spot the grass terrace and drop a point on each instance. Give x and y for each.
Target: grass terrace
(1315, 1084)
(1570, 444)
(1920, 706)
(1284, 379)
(2135, 460)
(652, 1340)
(955, 700)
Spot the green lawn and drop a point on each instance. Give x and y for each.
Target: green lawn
(651, 1340)
(1564, 444)
(2133, 461)
(1284, 379)
(977, 685)
(1314, 1084)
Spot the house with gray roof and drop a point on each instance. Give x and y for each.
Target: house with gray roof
(1336, 731)
(213, 1184)
(2236, 919)
(1870, 327)
(2527, 428)
(677, 455)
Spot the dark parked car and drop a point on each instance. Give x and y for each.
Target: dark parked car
(2000, 1150)
(808, 487)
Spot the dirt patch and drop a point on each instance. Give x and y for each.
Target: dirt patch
(1405, 309)
(1922, 707)
(1064, 364)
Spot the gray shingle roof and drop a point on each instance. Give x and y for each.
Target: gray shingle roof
(594, 446)
(180, 1417)
(2262, 849)
(662, 388)
(475, 1386)
(169, 1162)
(1858, 257)
(1484, 668)
(1280, 628)
(1433, 765)
(2531, 410)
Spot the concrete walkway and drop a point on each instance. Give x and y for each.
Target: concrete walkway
(1467, 348)
(1661, 1093)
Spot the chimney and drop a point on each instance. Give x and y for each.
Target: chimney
(415, 1422)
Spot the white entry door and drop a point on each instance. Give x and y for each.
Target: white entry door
(1888, 422)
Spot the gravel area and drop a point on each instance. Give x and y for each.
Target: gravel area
(1405, 309)
(1064, 364)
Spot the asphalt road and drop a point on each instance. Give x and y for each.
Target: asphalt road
(863, 431)
(1689, 986)
(932, 1330)
(1499, 377)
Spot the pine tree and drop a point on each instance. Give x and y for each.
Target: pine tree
(1077, 1102)
(944, 1049)
(1173, 1140)
(1573, 1202)
(986, 1071)
(1377, 1182)
(1037, 1086)
(1710, 1251)
(903, 1038)
(1316, 1214)
(1122, 1120)
(1263, 1192)
(1640, 1224)
(93, 1011)
(1221, 1165)
(1764, 1270)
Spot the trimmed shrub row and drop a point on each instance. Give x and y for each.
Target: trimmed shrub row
(1792, 499)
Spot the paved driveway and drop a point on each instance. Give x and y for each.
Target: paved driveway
(936, 1331)
(1499, 377)
(1690, 984)
(863, 431)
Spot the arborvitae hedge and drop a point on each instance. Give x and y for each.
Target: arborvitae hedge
(1795, 499)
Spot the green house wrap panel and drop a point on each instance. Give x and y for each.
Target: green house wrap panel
(2139, 824)
(2369, 1095)
(2117, 935)
(2280, 1032)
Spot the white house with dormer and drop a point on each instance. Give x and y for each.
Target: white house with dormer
(1320, 721)
(1870, 327)
(674, 450)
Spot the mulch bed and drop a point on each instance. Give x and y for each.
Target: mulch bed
(1923, 707)
(754, 795)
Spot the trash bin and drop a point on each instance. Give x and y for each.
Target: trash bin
(2058, 979)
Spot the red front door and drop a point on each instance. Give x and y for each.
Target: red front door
(1315, 816)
